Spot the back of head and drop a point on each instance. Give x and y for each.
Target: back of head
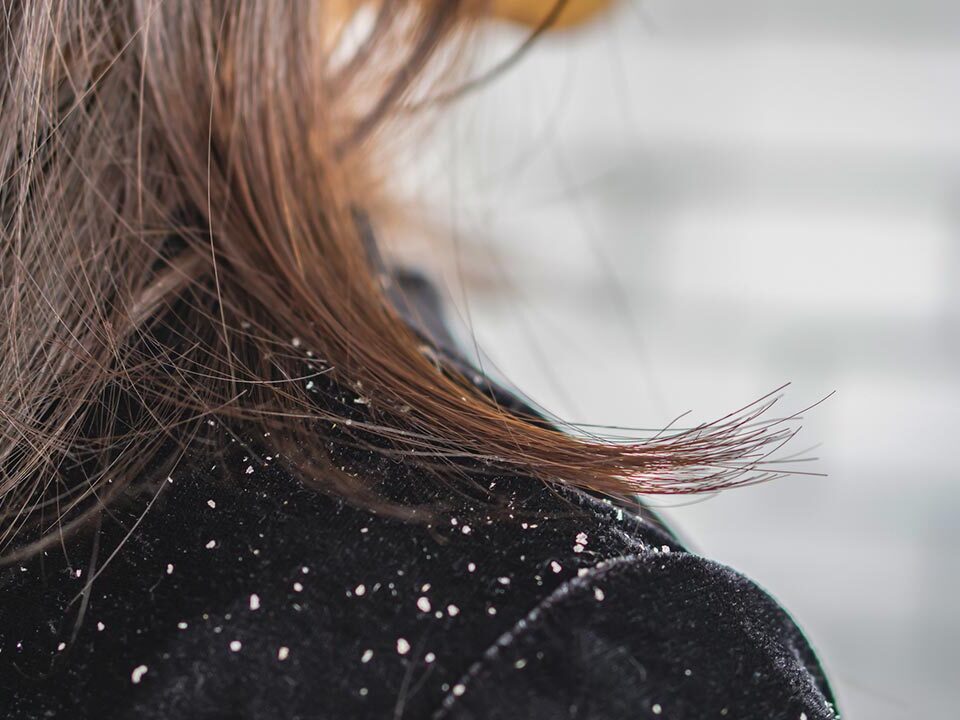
(186, 191)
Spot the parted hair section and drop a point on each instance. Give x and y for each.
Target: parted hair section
(187, 193)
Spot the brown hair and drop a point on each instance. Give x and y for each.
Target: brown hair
(184, 187)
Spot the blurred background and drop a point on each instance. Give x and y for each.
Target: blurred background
(687, 203)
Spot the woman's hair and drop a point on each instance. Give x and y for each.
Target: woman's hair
(187, 195)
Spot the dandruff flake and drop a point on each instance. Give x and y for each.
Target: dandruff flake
(403, 647)
(138, 672)
(367, 656)
(580, 543)
(283, 653)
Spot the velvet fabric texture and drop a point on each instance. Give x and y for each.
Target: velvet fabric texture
(242, 594)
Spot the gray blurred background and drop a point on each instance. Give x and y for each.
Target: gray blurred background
(690, 202)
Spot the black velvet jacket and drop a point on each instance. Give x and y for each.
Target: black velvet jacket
(244, 595)
(232, 591)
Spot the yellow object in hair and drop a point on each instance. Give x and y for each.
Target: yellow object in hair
(533, 12)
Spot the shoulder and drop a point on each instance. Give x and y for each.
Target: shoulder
(243, 592)
(649, 635)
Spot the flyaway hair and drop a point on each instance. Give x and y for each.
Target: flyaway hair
(187, 191)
